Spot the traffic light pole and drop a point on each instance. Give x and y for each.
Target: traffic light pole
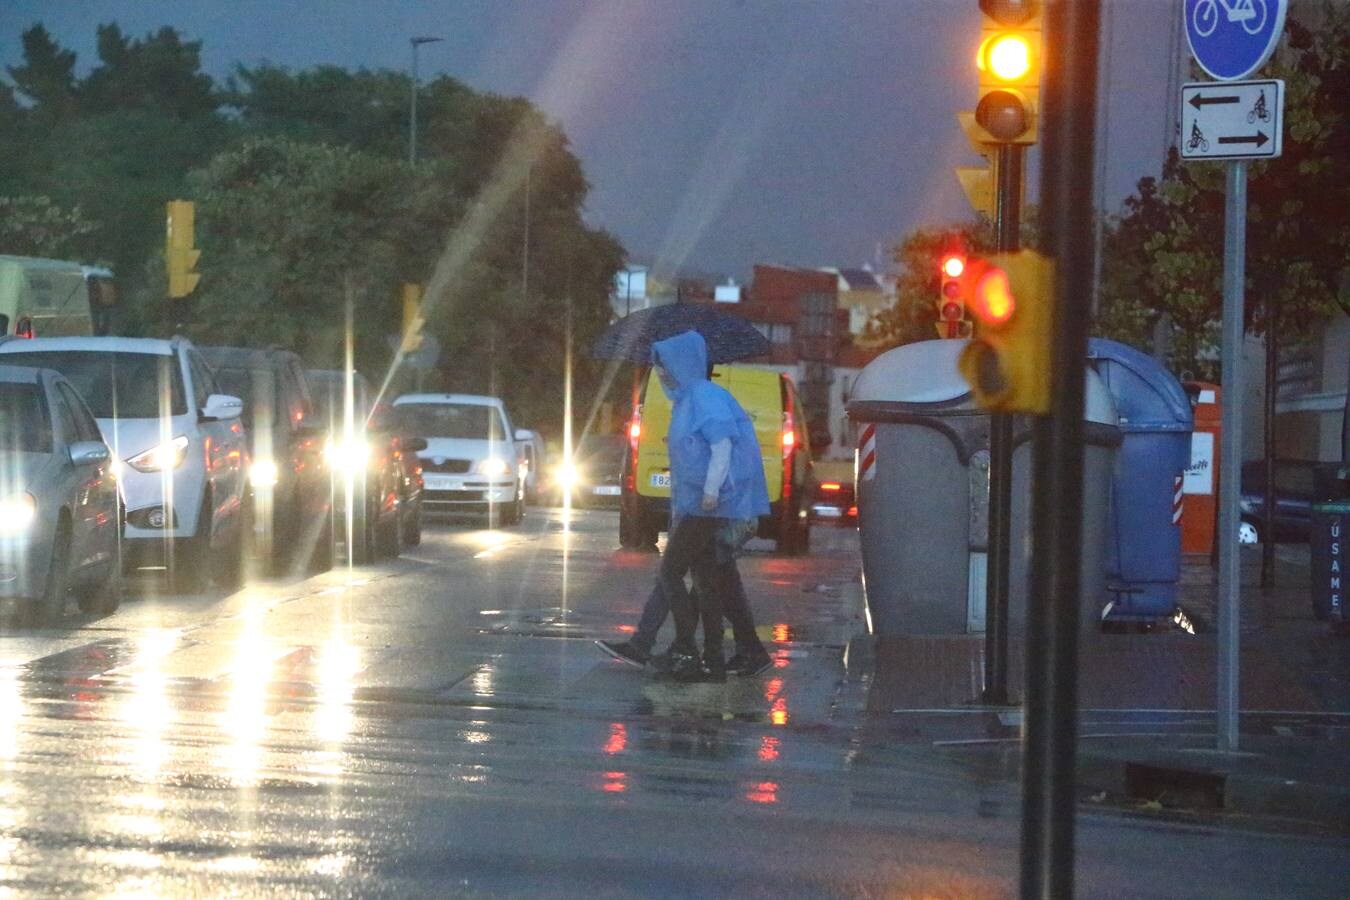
(1051, 732)
(1007, 229)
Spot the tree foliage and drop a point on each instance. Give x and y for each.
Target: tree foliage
(1165, 255)
(304, 194)
(35, 226)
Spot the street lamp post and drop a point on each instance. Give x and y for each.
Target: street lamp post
(412, 111)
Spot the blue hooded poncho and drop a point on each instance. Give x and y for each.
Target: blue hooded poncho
(704, 413)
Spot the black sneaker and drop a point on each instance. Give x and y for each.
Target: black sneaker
(661, 663)
(714, 668)
(682, 667)
(624, 652)
(747, 665)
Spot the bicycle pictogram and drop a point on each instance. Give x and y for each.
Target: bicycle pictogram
(1197, 139)
(1259, 111)
(1250, 14)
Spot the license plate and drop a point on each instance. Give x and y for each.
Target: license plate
(606, 490)
(660, 479)
(438, 483)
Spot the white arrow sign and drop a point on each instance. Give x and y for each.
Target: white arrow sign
(1232, 119)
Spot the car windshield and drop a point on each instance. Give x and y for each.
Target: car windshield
(327, 391)
(23, 419)
(602, 453)
(257, 388)
(115, 384)
(471, 421)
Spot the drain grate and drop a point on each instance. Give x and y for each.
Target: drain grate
(1171, 787)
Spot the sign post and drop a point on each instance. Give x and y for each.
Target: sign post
(1231, 39)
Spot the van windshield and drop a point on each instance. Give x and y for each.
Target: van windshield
(452, 420)
(23, 422)
(114, 384)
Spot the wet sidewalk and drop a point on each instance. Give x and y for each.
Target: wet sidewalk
(1147, 700)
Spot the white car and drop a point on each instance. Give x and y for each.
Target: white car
(471, 463)
(58, 499)
(178, 443)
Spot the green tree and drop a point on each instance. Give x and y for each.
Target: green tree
(1165, 256)
(35, 226)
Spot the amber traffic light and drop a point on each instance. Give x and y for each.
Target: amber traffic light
(1009, 64)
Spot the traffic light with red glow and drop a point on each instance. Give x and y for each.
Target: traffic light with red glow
(1008, 363)
(951, 296)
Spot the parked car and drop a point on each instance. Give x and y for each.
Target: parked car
(534, 457)
(288, 483)
(178, 447)
(60, 519)
(471, 463)
(770, 400)
(372, 468)
(594, 476)
(1293, 501)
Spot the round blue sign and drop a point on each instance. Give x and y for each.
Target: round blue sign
(1231, 39)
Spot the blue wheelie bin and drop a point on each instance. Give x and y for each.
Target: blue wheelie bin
(1143, 556)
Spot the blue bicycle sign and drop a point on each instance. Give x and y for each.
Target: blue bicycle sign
(1230, 39)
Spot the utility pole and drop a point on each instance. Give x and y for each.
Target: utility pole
(412, 103)
(1049, 803)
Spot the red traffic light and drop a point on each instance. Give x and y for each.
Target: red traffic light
(953, 264)
(992, 300)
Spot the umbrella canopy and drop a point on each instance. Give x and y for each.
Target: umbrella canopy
(729, 337)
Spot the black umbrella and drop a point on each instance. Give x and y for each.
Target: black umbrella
(729, 337)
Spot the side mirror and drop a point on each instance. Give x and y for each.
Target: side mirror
(413, 444)
(222, 406)
(523, 434)
(88, 453)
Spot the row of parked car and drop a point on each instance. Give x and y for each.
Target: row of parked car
(120, 453)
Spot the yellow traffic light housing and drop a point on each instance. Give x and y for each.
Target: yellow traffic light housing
(1009, 64)
(180, 256)
(1008, 363)
(412, 318)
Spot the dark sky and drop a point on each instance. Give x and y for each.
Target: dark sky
(715, 134)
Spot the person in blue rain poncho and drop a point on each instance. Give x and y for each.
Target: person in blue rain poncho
(717, 488)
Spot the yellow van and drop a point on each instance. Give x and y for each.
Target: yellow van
(770, 400)
(46, 297)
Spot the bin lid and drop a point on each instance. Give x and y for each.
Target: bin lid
(1147, 396)
(924, 372)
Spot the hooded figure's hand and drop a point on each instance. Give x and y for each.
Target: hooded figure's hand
(709, 502)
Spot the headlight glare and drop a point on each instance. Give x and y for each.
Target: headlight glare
(263, 473)
(493, 467)
(349, 456)
(168, 455)
(17, 513)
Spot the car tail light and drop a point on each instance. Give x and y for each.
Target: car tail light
(634, 436)
(789, 433)
(789, 444)
(830, 486)
(24, 328)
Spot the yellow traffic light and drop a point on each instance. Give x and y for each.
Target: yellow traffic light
(412, 317)
(1008, 363)
(1007, 57)
(180, 256)
(1009, 64)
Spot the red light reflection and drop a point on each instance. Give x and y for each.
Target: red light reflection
(628, 629)
(763, 792)
(768, 748)
(781, 633)
(618, 739)
(615, 782)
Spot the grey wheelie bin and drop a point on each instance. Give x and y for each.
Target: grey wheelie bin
(922, 483)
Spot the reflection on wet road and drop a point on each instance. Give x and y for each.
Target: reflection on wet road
(442, 724)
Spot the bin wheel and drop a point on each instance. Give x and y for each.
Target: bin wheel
(1248, 532)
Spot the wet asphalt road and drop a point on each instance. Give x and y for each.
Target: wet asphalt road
(442, 725)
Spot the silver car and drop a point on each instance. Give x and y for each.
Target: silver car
(59, 508)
